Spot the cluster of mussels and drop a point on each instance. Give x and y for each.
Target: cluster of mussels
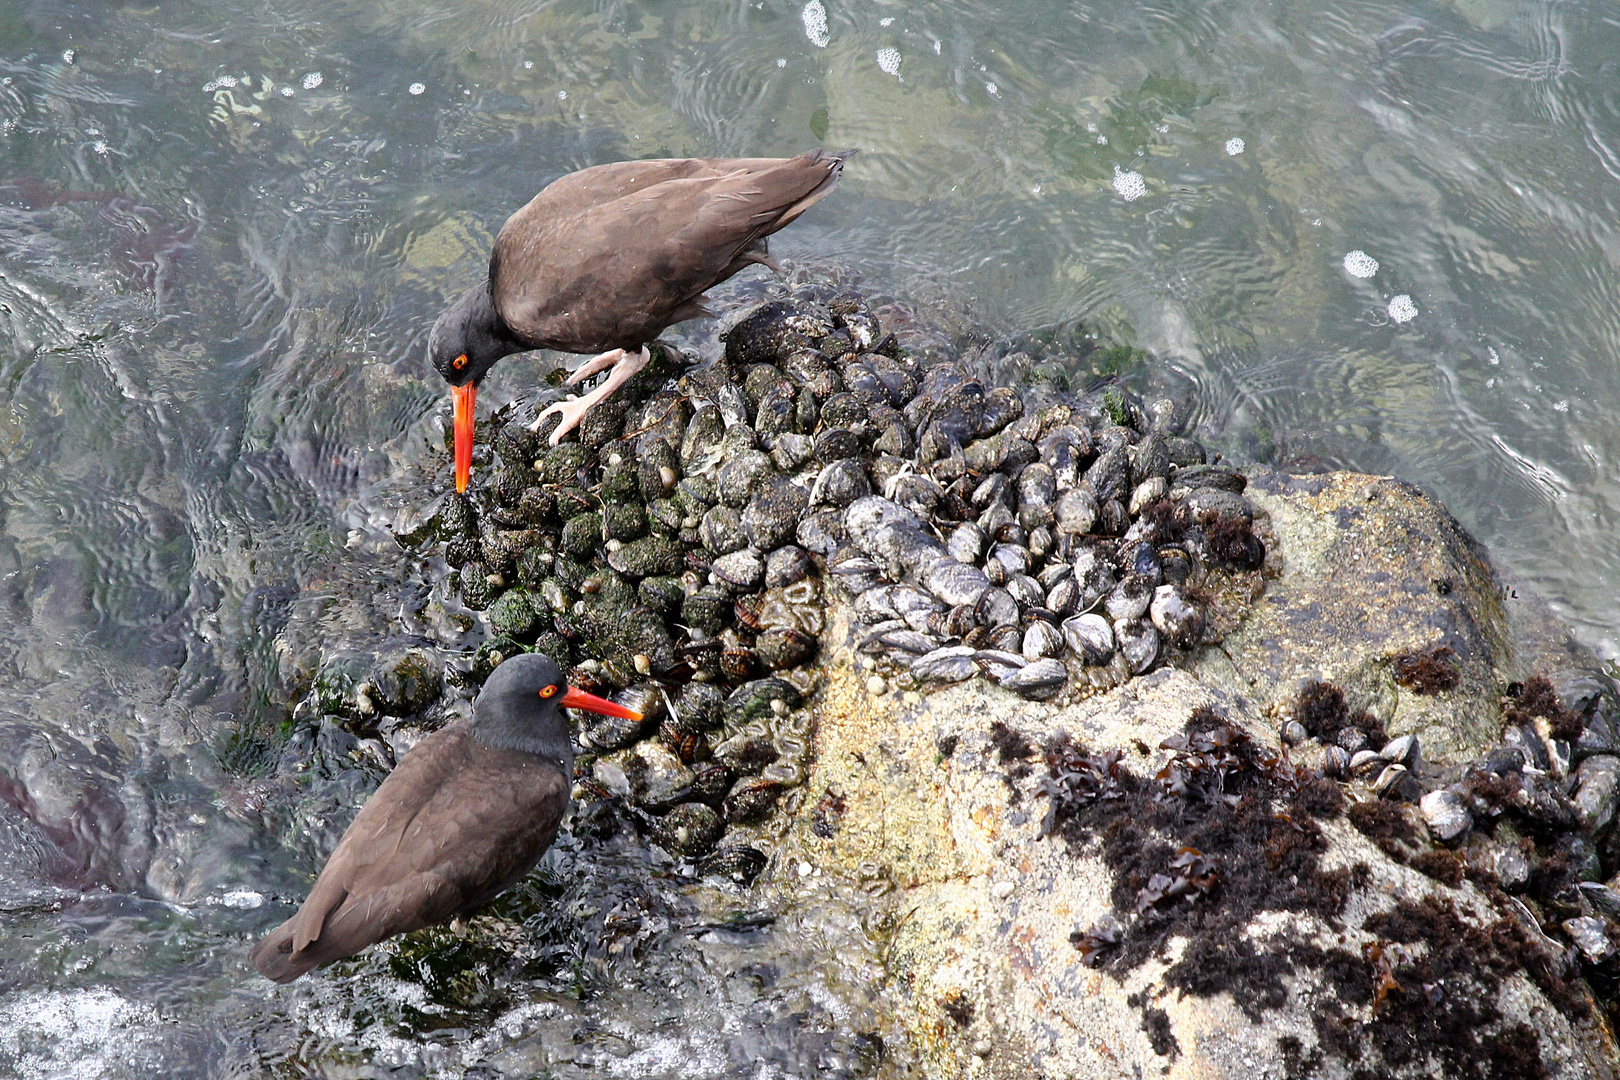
(672, 552)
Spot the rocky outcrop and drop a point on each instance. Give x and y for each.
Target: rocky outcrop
(1151, 881)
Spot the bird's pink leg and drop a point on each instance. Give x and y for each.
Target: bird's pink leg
(594, 365)
(573, 410)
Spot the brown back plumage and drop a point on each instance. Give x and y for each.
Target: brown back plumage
(453, 825)
(607, 257)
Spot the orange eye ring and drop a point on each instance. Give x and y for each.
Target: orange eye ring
(548, 691)
(459, 362)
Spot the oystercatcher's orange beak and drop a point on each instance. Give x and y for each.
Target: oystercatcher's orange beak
(579, 699)
(464, 397)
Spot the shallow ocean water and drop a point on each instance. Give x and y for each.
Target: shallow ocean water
(1380, 236)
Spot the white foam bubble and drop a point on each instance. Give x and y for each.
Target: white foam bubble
(224, 82)
(888, 61)
(76, 1033)
(887, 21)
(415, 89)
(992, 89)
(1128, 184)
(815, 24)
(781, 61)
(1235, 146)
(242, 898)
(1360, 264)
(313, 79)
(286, 91)
(1402, 309)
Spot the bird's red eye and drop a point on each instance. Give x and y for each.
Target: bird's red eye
(548, 691)
(459, 362)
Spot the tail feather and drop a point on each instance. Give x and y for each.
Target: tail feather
(820, 191)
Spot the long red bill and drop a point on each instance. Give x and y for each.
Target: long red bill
(579, 699)
(464, 397)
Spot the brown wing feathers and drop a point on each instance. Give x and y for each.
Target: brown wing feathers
(608, 257)
(467, 821)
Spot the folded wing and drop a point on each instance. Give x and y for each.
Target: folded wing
(608, 257)
(455, 824)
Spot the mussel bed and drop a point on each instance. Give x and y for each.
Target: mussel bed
(672, 553)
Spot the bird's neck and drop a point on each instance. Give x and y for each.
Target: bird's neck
(487, 335)
(514, 733)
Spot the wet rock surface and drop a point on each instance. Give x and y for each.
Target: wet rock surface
(1240, 865)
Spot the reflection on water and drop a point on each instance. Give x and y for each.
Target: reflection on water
(1377, 235)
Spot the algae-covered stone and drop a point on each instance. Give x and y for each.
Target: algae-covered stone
(773, 512)
(741, 476)
(563, 463)
(690, 829)
(621, 479)
(623, 521)
(582, 536)
(494, 652)
(651, 555)
(1018, 880)
(515, 614)
(477, 588)
(663, 593)
(758, 698)
(709, 610)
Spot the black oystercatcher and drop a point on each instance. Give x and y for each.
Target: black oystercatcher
(604, 259)
(464, 815)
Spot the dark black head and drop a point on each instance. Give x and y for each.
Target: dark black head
(521, 708)
(466, 341)
(469, 337)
